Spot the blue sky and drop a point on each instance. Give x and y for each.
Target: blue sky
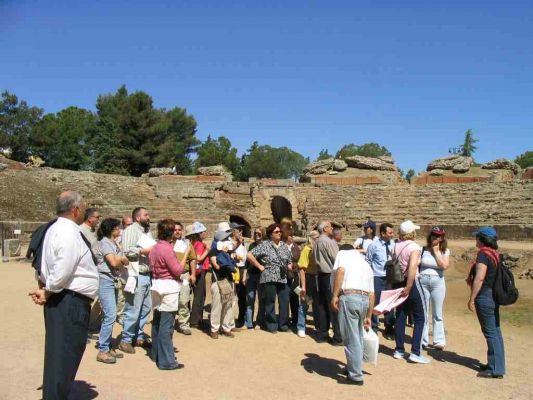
(412, 76)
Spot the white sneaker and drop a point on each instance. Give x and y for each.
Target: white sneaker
(301, 334)
(418, 359)
(398, 354)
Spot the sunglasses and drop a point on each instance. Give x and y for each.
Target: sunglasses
(276, 231)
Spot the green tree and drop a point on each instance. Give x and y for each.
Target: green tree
(469, 147)
(366, 150)
(61, 139)
(133, 135)
(525, 160)
(264, 161)
(323, 155)
(17, 120)
(409, 175)
(218, 152)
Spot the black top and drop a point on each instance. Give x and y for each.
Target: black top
(488, 282)
(251, 269)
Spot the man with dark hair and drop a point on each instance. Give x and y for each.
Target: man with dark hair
(68, 283)
(378, 253)
(139, 303)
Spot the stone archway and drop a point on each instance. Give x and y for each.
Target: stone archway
(247, 229)
(281, 208)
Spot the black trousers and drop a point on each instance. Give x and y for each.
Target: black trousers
(198, 301)
(269, 291)
(66, 320)
(240, 288)
(326, 314)
(311, 287)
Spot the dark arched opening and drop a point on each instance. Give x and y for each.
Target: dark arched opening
(246, 230)
(281, 208)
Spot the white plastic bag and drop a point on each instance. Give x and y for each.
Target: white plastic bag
(370, 346)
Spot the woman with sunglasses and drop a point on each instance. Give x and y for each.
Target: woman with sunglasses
(272, 258)
(435, 259)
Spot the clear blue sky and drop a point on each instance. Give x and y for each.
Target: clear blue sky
(412, 76)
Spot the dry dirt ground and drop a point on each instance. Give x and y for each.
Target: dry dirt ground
(256, 364)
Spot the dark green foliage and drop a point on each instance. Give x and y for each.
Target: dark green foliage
(409, 175)
(525, 160)
(264, 161)
(218, 152)
(366, 150)
(468, 147)
(62, 139)
(323, 155)
(17, 120)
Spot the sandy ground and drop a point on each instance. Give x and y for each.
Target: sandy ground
(260, 365)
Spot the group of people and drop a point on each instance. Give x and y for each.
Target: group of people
(132, 274)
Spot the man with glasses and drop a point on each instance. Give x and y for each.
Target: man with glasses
(325, 250)
(251, 281)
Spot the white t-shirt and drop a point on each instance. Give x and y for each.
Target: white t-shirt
(365, 241)
(357, 273)
(428, 264)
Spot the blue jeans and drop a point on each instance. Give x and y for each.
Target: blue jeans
(415, 303)
(434, 288)
(252, 286)
(380, 284)
(312, 293)
(136, 310)
(162, 348)
(107, 293)
(488, 314)
(352, 313)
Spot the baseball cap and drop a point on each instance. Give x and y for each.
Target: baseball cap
(487, 231)
(369, 224)
(234, 225)
(438, 231)
(407, 227)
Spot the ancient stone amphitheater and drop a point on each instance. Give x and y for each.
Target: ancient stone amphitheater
(27, 197)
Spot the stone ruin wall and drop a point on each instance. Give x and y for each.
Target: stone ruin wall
(29, 195)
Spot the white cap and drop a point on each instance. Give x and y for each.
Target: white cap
(407, 227)
(223, 227)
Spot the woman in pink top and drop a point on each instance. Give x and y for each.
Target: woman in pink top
(408, 253)
(166, 272)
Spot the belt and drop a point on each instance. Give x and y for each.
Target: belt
(145, 273)
(354, 291)
(76, 294)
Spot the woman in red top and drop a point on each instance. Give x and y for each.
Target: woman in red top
(197, 239)
(166, 272)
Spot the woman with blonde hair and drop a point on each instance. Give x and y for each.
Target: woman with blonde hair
(308, 284)
(407, 254)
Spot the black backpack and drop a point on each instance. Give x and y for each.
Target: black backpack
(35, 248)
(504, 290)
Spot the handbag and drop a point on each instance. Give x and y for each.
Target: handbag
(393, 269)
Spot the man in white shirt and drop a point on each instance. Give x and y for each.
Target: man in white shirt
(353, 299)
(68, 283)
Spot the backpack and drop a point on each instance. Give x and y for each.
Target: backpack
(504, 290)
(35, 248)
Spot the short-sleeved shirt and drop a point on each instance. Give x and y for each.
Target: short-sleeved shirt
(180, 246)
(200, 248)
(306, 260)
(105, 247)
(428, 263)
(403, 250)
(274, 259)
(363, 242)
(357, 273)
(482, 258)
